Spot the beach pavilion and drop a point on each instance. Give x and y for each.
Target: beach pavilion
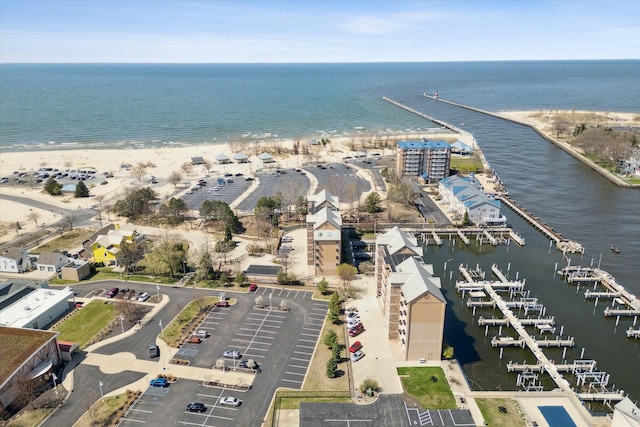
(266, 158)
(241, 158)
(223, 159)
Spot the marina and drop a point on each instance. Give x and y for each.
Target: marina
(589, 384)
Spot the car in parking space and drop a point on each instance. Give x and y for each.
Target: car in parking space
(351, 323)
(112, 292)
(194, 339)
(222, 304)
(355, 347)
(253, 365)
(356, 330)
(231, 354)
(253, 287)
(202, 334)
(230, 401)
(143, 297)
(357, 356)
(196, 407)
(159, 382)
(352, 315)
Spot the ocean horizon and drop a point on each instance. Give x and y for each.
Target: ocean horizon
(110, 105)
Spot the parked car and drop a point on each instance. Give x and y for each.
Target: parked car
(194, 339)
(355, 347)
(352, 323)
(159, 382)
(357, 356)
(357, 330)
(202, 334)
(196, 407)
(253, 287)
(153, 350)
(245, 364)
(230, 401)
(143, 297)
(222, 304)
(231, 354)
(112, 292)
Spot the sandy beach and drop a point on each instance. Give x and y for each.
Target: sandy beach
(162, 161)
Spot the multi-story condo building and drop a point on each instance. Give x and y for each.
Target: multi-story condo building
(466, 195)
(429, 160)
(410, 296)
(324, 234)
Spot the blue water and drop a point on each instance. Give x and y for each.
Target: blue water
(209, 103)
(556, 416)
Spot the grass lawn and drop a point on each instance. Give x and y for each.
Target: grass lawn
(172, 332)
(107, 273)
(472, 164)
(419, 384)
(492, 415)
(69, 240)
(101, 411)
(30, 418)
(316, 378)
(87, 322)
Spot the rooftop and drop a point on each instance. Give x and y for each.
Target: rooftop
(18, 345)
(32, 305)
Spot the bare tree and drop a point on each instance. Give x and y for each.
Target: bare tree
(187, 168)
(175, 177)
(131, 311)
(70, 220)
(34, 216)
(138, 172)
(296, 145)
(207, 164)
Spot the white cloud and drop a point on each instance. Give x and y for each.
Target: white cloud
(371, 25)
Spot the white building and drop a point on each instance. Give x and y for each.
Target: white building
(15, 260)
(37, 309)
(51, 262)
(466, 195)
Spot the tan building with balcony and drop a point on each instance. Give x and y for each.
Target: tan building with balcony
(324, 234)
(410, 296)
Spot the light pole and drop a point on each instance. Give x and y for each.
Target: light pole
(160, 323)
(184, 266)
(122, 322)
(270, 300)
(55, 387)
(100, 384)
(158, 292)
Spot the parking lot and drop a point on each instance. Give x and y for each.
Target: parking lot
(281, 342)
(229, 193)
(335, 176)
(289, 182)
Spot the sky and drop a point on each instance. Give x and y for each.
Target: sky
(258, 31)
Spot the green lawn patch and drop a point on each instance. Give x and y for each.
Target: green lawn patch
(429, 386)
(68, 241)
(466, 164)
(87, 322)
(171, 334)
(495, 417)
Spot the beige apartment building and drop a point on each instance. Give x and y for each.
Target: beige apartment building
(324, 234)
(410, 296)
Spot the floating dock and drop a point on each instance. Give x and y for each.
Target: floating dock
(493, 236)
(479, 291)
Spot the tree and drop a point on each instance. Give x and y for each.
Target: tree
(53, 187)
(174, 210)
(369, 384)
(206, 269)
(174, 178)
(81, 190)
(448, 352)
(219, 212)
(302, 206)
(330, 339)
(138, 171)
(240, 277)
(323, 286)
(372, 203)
(34, 216)
(135, 204)
(69, 220)
(187, 168)
(130, 254)
(332, 368)
(347, 273)
(206, 163)
(366, 267)
(170, 254)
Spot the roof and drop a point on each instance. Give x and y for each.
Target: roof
(222, 157)
(323, 216)
(265, 156)
(324, 196)
(50, 258)
(461, 146)
(68, 188)
(469, 191)
(628, 408)
(18, 345)
(198, 160)
(396, 240)
(240, 156)
(417, 279)
(32, 305)
(263, 270)
(12, 253)
(423, 145)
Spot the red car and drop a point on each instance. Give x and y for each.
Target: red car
(253, 287)
(355, 347)
(356, 330)
(222, 304)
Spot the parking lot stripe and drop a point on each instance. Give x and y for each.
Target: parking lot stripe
(295, 373)
(302, 352)
(292, 381)
(140, 410)
(134, 421)
(309, 335)
(297, 366)
(305, 346)
(301, 360)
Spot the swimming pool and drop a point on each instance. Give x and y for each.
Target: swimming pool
(556, 416)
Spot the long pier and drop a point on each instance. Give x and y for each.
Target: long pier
(527, 378)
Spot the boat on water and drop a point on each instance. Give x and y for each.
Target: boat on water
(615, 249)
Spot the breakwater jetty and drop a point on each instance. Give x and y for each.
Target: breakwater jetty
(564, 146)
(511, 299)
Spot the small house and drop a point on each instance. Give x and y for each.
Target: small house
(15, 260)
(51, 262)
(197, 161)
(222, 159)
(266, 158)
(241, 158)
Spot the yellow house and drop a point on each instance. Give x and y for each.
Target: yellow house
(106, 248)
